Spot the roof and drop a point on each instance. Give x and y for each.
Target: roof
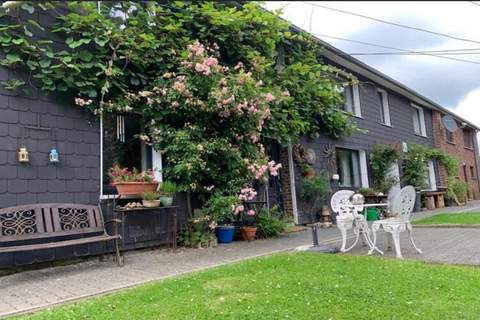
(344, 59)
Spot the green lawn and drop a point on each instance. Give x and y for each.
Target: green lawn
(451, 218)
(296, 286)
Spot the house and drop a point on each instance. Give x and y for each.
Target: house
(392, 114)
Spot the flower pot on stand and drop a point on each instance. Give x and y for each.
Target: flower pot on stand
(225, 234)
(248, 233)
(151, 203)
(135, 188)
(166, 201)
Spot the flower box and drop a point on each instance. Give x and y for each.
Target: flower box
(135, 188)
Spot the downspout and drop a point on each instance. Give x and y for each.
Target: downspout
(101, 156)
(293, 191)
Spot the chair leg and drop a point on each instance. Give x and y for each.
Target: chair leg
(375, 228)
(343, 231)
(356, 231)
(118, 255)
(396, 243)
(410, 232)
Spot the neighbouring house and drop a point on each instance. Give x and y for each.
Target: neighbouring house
(459, 140)
(392, 114)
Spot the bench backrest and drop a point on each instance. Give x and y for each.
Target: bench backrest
(48, 220)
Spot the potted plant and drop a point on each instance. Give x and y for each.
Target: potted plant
(249, 228)
(224, 210)
(132, 182)
(150, 199)
(308, 171)
(167, 192)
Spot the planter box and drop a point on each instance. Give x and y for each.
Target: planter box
(135, 188)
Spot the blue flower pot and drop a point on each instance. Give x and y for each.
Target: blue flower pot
(225, 234)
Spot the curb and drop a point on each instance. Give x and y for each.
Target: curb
(446, 226)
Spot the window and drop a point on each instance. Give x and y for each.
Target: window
(418, 121)
(351, 98)
(348, 168)
(468, 138)
(450, 136)
(473, 173)
(122, 145)
(384, 107)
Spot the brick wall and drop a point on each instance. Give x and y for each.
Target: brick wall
(74, 133)
(285, 180)
(464, 155)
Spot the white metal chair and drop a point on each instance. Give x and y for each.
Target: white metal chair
(401, 209)
(348, 217)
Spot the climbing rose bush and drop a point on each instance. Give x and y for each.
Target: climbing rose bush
(208, 119)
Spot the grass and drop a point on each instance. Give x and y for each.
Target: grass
(295, 286)
(451, 218)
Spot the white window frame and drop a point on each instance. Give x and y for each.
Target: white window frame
(355, 107)
(362, 157)
(385, 106)
(357, 110)
(431, 178)
(422, 127)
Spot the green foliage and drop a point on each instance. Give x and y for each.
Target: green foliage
(457, 190)
(168, 188)
(150, 196)
(315, 189)
(448, 161)
(199, 231)
(471, 218)
(381, 160)
(269, 223)
(104, 57)
(415, 171)
(221, 208)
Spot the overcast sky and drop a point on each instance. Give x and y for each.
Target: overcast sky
(452, 84)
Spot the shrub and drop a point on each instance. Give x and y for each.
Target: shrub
(269, 223)
(200, 231)
(457, 190)
(381, 159)
(222, 208)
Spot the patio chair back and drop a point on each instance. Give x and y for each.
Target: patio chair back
(404, 202)
(341, 205)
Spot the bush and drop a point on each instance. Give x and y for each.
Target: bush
(457, 190)
(269, 223)
(150, 196)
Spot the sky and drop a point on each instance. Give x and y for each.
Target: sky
(452, 84)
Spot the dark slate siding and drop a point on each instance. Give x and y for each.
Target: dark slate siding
(75, 179)
(400, 131)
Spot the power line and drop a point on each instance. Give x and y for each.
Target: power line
(439, 52)
(393, 48)
(394, 23)
(473, 2)
(410, 53)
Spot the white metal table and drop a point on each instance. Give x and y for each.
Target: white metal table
(363, 227)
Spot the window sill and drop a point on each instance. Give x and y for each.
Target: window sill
(386, 125)
(469, 148)
(421, 135)
(452, 143)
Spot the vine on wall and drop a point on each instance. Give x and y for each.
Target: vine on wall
(253, 79)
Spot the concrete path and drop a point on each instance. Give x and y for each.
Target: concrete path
(35, 289)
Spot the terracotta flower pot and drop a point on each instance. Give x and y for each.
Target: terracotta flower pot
(248, 233)
(135, 188)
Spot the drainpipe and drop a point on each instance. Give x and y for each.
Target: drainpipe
(477, 160)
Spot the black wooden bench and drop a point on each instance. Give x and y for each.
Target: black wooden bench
(53, 225)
